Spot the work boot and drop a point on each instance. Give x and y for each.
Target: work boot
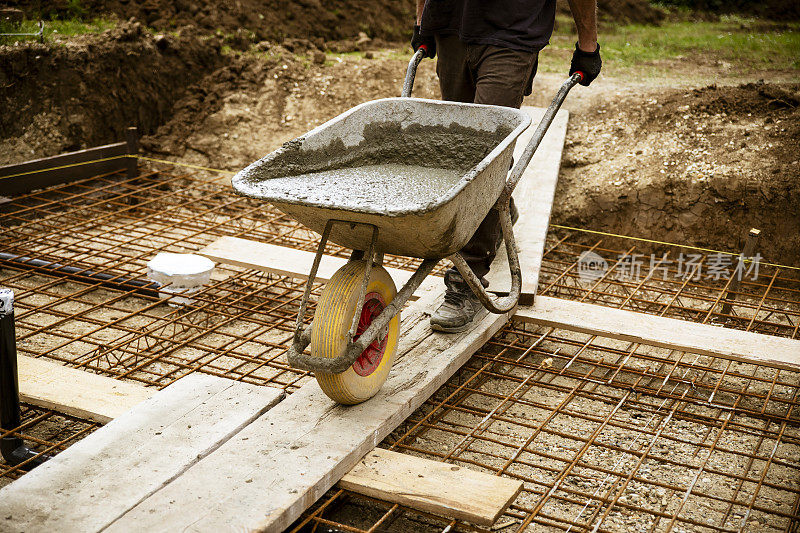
(459, 307)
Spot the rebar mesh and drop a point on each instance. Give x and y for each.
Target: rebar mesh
(606, 435)
(653, 279)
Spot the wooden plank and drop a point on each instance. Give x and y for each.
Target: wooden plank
(76, 392)
(670, 333)
(280, 260)
(94, 481)
(534, 196)
(275, 468)
(45, 172)
(432, 486)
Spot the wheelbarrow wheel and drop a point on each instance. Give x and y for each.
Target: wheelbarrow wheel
(332, 321)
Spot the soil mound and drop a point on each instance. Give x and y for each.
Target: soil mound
(249, 107)
(86, 91)
(699, 167)
(778, 10)
(629, 12)
(748, 98)
(266, 19)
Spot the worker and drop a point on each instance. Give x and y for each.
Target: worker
(488, 52)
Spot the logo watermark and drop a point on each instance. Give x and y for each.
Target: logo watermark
(591, 266)
(692, 267)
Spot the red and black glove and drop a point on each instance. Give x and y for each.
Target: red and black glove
(428, 41)
(589, 63)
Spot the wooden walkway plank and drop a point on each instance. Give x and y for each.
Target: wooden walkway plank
(76, 392)
(280, 260)
(274, 469)
(432, 486)
(670, 333)
(93, 482)
(533, 196)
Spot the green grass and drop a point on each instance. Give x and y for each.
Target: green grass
(53, 29)
(355, 54)
(404, 53)
(733, 46)
(745, 45)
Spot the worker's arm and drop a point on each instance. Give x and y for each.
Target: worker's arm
(585, 14)
(586, 58)
(418, 39)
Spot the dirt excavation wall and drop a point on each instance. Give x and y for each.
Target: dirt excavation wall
(702, 166)
(85, 92)
(280, 19)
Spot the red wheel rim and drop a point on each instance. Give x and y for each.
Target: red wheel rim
(371, 357)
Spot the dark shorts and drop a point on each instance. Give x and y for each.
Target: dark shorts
(483, 74)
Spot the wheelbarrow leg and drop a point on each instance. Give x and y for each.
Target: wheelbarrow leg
(302, 336)
(496, 304)
(355, 332)
(343, 361)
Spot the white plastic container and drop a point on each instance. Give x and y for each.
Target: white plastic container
(181, 276)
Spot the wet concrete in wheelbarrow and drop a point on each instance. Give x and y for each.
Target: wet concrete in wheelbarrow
(392, 169)
(369, 186)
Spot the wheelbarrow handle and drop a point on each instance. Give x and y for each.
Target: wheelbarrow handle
(411, 72)
(496, 304)
(538, 135)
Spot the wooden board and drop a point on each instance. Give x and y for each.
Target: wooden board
(275, 468)
(76, 392)
(48, 171)
(534, 198)
(665, 332)
(432, 486)
(281, 260)
(93, 482)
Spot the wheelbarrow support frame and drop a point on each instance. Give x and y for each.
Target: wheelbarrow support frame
(302, 334)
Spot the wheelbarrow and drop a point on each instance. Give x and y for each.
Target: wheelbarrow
(402, 176)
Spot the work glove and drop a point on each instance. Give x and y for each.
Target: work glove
(588, 63)
(428, 41)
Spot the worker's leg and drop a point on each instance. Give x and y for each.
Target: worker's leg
(502, 77)
(456, 81)
(499, 77)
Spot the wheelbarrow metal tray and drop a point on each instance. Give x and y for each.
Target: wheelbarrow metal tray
(463, 150)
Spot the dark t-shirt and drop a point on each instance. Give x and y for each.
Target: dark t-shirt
(517, 24)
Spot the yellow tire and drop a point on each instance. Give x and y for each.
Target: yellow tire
(332, 321)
